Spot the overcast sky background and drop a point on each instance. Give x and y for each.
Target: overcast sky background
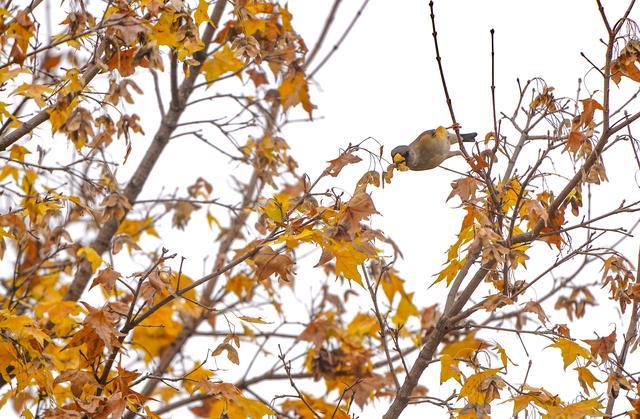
(383, 83)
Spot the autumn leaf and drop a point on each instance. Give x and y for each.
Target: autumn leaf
(449, 369)
(268, 262)
(483, 387)
(107, 278)
(151, 338)
(91, 256)
(405, 309)
(536, 308)
(602, 347)
(201, 14)
(294, 90)
(222, 62)
(336, 165)
(232, 353)
(360, 207)
(586, 379)
(570, 350)
(465, 188)
(589, 107)
(348, 259)
(578, 410)
(249, 319)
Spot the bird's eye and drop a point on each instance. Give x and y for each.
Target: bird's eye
(398, 158)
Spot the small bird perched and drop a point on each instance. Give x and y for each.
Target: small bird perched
(430, 149)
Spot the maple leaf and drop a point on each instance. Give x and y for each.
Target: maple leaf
(232, 353)
(222, 62)
(602, 347)
(151, 338)
(317, 331)
(586, 378)
(503, 355)
(450, 271)
(449, 369)
(535, 307)
(589, 107)
(107, 278)
(465, 348)
(348, 259)
(405, 309)
(257, 77)
(91, 256)
(123, 61)
(570, 350)
(336, 165)
(360, 207)
(201, 14)
(294, 90)
(578, 410)
(465, 188)
(483, 387)
(268, 262)
(249, 319)
(99, 329)
(61, 314)
(78, 379)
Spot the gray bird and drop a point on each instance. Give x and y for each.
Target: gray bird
(430, 149)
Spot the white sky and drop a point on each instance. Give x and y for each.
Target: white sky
(383, 83)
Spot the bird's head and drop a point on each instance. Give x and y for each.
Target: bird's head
(401, 155)
(440, 133)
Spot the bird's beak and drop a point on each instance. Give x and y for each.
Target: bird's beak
(400, 163)
(398, 158)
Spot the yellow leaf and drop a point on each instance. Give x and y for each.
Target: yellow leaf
(503, 355)
(363, 325)
(475, 388)
(251, 26)
(347, 260)
(8, 170)
(586, 379)
(449, 369)
(392, 284)
(223, 61)
(75, 79)
(579, 410)
(405, 309)
(570, 351)
(295, 90)
(151, 338)
(91, 256)
(18, 152)
(59, 114)
(450, 271)
(201, 14)
(6, 74)
(241, 285)
(37, 92)
(277, 207)
(249, 319)
(465, 348)
(239, 406)
(164, 31)
(212, 220)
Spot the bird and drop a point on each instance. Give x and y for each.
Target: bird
(430, 149)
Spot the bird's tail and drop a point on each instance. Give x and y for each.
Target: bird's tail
(469, 138)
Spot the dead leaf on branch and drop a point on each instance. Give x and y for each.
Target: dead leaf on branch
(268, 262)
